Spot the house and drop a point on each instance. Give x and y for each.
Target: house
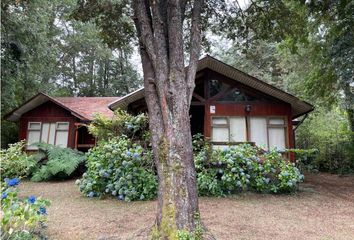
(60, 121)
(231, 107)
(228, 106)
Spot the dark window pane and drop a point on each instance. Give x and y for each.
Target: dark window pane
(216, 87)
(236, 95)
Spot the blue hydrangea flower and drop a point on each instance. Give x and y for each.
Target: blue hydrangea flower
(91, 194)
(136, 155)
(266, 180)
(238, 183)
(290, 183)
(42, 211)
(285, 173)
(105, 175)
(128, 153)
(121, 197)
(12, 182)
(32, 199)
(4, 195)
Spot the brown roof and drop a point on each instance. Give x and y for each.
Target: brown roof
(298, 106)
(88, 106)
(83, 108)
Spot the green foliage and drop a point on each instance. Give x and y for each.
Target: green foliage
(44, 49)
(119, 168)
(328, 131)
(14, 162)
(228, 171)
(21, 218)
(123, 169)
(122, 123)
(55, 162)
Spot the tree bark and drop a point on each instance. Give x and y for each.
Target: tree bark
(168, 93)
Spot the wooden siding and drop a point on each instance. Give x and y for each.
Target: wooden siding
(49, 112)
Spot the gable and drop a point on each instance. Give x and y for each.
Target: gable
(47, 109)
(83, 108)
(217, 88)
(298, 107)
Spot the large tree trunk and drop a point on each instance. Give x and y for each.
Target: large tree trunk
(168, 92)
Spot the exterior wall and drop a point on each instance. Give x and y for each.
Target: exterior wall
(257, 109)
(49, 112)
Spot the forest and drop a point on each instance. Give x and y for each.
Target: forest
(81, 48)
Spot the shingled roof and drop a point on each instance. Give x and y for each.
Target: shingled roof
(83, 108)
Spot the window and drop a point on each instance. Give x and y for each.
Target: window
(276, 133)
(228, 129)
(62, 134)
(51, 133)
(265, 132)
(34, 134)
(258, 131)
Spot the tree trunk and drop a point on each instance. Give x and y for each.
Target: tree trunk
(168, 93)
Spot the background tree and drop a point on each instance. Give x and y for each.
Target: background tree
(44, 49)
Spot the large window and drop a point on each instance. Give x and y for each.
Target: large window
(228, 129)
(52, 133)
(265, 132)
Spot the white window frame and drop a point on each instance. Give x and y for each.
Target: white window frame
(40, 130)
(29, 129)
(248, 128)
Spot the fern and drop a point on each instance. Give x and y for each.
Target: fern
(57, 162)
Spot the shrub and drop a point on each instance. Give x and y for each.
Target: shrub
(15, 162)
(54, 162)
(121, 169)
(328, 131)
(241, 167)
(21, 218)
(122, 123)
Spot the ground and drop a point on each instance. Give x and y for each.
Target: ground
(322, 209)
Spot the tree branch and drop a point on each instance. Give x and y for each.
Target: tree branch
(195, 42)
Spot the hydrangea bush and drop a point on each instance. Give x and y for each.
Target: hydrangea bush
(242, 167)
(121, 169)
(14, 162)
(121, 165)
(22, 218)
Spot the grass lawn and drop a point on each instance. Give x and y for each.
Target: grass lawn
(322, 209)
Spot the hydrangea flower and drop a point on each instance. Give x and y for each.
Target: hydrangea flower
(4, 195)
(105, 175)
(42, 211)
(136, 155)
(238, 183)
(32, 199)
(12, 182)
(128, 153)
(91, 194)
(121, 197)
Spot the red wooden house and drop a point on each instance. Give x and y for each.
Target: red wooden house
(59, 120)
(230, 106)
